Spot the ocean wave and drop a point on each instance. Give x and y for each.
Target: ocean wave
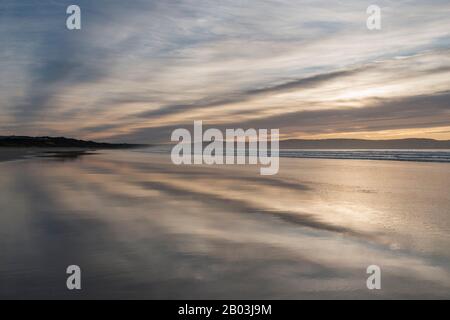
(393, 155)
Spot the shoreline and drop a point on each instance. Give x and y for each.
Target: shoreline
(20, 153)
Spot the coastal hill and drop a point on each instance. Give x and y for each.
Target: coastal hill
(365, 144)
(62, 142)
(59, 142)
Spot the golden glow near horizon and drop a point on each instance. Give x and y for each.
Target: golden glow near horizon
(315, 73)
(439, 133)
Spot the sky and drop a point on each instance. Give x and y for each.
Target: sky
(139, 69)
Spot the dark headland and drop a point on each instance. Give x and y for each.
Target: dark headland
(60, 142)
(20, 147)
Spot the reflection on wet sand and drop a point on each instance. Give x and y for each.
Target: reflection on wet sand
(65, 155)
(140, 227)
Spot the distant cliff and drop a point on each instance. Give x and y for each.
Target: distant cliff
(365, 144)
(59, 142)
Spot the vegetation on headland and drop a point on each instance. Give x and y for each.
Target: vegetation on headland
(60, 142)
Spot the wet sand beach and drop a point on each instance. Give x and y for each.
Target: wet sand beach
(12, 154)
(141, 227)
(8, 154)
